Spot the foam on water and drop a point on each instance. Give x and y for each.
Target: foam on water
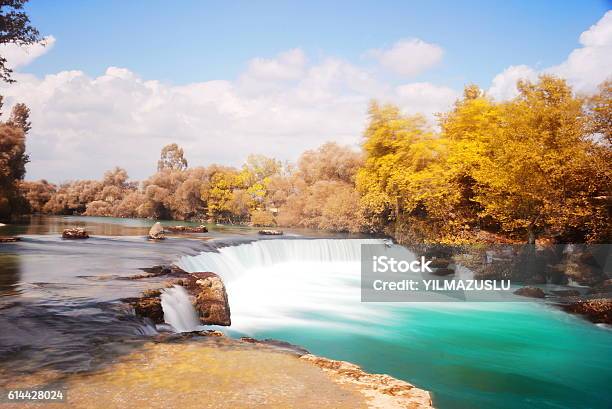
(273, 283)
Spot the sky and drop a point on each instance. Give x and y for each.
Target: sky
(118, 80)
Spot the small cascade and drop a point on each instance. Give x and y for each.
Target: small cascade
(178, 310)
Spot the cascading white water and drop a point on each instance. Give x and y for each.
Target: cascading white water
(233, 261)
(178, 310)
(291, 282)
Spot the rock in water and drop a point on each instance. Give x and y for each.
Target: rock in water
(187, 229)
(271, 232)
(156, 232)
(532, 292)
(211, 299)
(206, 290)
(75, 233)
(149, 305)
(597, 310)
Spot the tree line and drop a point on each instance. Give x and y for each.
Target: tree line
(535, 166)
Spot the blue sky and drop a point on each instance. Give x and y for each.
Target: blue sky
(199, 40)
(118, 80)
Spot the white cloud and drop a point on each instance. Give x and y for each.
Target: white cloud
(84, 125)
(288, 65)
(504, 84)
(585, 67)
(423, 97)
(588, 66)
(19, 56)
(282, 106)
(408, 57)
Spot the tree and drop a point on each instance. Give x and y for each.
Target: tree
(37, 193)
(220, 198)
(599, 108)
(320, 193)
(20, 117)
(538, 174)
(329, 162)
(172, 157)
(15, 28)
(12, 169)
(399, 153)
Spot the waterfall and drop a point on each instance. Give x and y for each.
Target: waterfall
(178, 310)
(233, 261)
(279, 282)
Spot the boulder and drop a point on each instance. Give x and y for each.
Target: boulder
(597, 310)
(9, 239)
(156, 232)
(210, 299)
(148, 306)
(269, 232)
(205, 288)
(186, 229)
(532, 292)
(75, 233)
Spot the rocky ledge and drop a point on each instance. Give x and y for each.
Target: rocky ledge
(380, 391)
(192, 371)
(207, 290)
(597, 310)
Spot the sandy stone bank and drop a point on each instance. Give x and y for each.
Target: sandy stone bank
(223, 373)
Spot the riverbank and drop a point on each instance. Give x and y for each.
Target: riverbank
(194, 371)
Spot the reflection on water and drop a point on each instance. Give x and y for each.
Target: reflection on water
(9, 273)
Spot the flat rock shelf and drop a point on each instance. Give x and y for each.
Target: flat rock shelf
(224, 373)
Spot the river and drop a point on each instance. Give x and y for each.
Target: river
(60, 309)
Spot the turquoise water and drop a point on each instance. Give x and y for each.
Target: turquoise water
(469, 355)
(515, 355)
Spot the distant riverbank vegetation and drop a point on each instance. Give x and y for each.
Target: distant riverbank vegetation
(537, 166)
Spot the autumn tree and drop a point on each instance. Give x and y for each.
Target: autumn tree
(397, 176)
(12, 169)
(20, 117)
(255, 177)
(172, 157)
(15, 28)
(37, 193)
(537, 174)
(599, 108)
(320, 193)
